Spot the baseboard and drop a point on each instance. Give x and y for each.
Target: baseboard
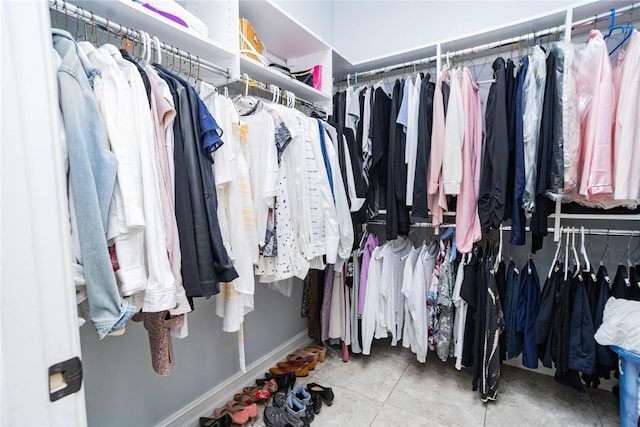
(218, 396)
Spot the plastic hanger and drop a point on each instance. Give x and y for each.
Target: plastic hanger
(149, 51)
(272, 89)
(156, 40)
(566, 257)
(499, 254)
(583, 250)
(576, 258)
(626, 29)
(555, 257)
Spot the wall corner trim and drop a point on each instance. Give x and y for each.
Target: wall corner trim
(218, 396)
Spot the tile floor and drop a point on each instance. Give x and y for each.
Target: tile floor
(390, 388)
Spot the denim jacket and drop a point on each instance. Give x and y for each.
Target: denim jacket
(92, 175)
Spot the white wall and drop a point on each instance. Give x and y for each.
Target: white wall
(316, 15)
(365, 30)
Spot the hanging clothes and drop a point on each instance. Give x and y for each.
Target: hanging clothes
(549, 159)
(89, 157)
(514, 341)
(445, 343)
(528, 309)
(511, 133)
(423, 152)
(518, 221)
(533, 92)
(626, 153)
(544, 321)
(493, 184)
(461, 308)
(397, 222)
(582, 345)
(436, 198)
(467, 220)
(380, 128)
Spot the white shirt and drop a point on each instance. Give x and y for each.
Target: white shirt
(159, 294)
(454, 137)
(126, 220)
(371, 301)
(411, 148)
(409, 333)
(459, 322)
(263, 167)
(391, 298)
(352, 109)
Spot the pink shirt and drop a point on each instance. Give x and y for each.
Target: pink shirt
(594, 84)
(436, 197)
(468, 230)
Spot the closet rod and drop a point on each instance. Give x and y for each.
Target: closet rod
(415, 224)
(256, 84)
(587, 230)
(591, 231)
(481, 48)
(120, 30)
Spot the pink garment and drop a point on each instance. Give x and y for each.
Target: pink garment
(594, 84)
(627, 130)
(369, 246)
(468, 230)
(163, 115)
(436, 197)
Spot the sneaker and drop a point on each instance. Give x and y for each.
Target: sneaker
(292, 412)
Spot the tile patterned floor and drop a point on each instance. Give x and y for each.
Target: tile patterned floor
(389, 388)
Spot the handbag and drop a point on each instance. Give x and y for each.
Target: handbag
(311, 77)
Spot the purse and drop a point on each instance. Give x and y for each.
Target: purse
(311, 77)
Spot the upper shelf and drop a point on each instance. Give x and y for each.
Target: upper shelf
(134, 16)
(266, 75)
(281, 34)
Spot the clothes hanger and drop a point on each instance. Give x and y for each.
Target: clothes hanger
(575, 253)
(156, 40)
(555, 256)
(626, 29)
(149, 48)
(499, 254)
(566, 257)
(94, 31)
(246, 84)
(583, 251)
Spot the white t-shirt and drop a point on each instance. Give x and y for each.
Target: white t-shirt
(411, 147)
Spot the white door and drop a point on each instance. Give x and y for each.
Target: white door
(38, 321)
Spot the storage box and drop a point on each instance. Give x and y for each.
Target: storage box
(250, 44)
(629, 387)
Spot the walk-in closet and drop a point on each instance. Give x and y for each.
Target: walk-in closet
(294, 213)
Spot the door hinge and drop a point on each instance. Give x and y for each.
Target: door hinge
(65, 378)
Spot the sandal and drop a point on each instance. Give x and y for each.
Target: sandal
(284, 381)
(254, 394)
(319, 350)
(223, 421)
(309, 362)
(302, 371)
(302, 355)
(239, 415)
(251, 409)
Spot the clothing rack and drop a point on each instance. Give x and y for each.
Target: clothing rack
(91, 18)
(488, 46)
(246, 83)
(587, 230)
